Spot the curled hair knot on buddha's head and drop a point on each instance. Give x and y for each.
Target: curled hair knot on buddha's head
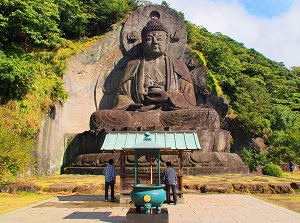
(154, 25)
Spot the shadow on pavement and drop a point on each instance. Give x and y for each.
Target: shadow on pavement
(83, 201)
(102, 216)
(81, 198)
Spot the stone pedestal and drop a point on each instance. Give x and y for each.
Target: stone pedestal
(138, 217)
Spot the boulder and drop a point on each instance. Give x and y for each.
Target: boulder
(57, 188)
(251, 188)
(17, 187)
(295, 185)
(192, 186)
(216, 188)
(280, 188)
(87, 188)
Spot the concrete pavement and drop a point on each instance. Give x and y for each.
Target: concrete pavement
(208, 208)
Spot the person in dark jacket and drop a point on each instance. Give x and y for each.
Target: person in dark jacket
(292, 166)
(170, 180)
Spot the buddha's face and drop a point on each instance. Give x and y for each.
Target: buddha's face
(155, 42)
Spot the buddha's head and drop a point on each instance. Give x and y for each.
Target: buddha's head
(155, 38)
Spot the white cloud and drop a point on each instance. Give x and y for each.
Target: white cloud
(278, 38)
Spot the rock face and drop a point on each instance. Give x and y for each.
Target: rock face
(93, 80)
(85, 81)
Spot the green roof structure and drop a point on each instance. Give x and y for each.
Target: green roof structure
(163, 140)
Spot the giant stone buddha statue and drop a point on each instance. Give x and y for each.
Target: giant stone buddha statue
(156, 91)
(155, 84)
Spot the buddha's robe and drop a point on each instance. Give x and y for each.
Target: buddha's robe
(178, 110)
(177, 82)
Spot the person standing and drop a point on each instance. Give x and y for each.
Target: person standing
(292, 166)
(170, 179)
(110, 179)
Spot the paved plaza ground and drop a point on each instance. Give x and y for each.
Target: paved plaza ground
(208, 208)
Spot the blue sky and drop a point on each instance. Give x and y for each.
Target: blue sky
(266, 8)
(271, 27)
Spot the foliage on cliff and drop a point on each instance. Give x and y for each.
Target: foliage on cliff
(263, 94)
(37, 37)
(35, 43)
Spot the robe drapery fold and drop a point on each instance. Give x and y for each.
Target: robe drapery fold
(178, 84)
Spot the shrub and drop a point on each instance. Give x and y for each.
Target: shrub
(272, 170)
(253, 158)
(15, 149)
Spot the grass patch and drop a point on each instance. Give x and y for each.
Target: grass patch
(240, 178)
(288, 201)
(10, 202)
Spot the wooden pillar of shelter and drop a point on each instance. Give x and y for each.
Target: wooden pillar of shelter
(122, 170)
(180, 172)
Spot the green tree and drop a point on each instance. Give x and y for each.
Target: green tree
(79, 18)
(16, 78)
(264, 95)
(30, 23)
(73, 18)
(165, 3)
(253, 158)
(252, 103)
